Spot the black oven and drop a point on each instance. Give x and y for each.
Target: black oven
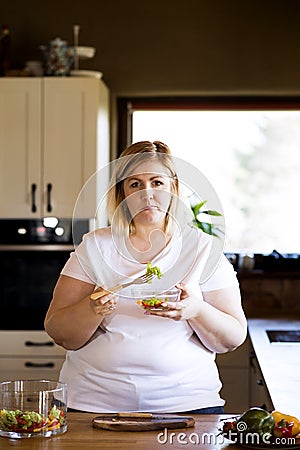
(32, 254)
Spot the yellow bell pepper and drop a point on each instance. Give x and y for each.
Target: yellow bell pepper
(54, 427)
(278, 416)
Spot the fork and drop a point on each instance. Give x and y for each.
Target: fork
(147, 278)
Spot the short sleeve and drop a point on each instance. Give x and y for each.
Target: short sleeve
(223, 277)
(78, 265)
(74, 269)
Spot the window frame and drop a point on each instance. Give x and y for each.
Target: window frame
(127, 105)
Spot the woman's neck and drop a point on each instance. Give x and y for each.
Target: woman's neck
(145, 244)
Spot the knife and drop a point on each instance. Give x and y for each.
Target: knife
(147, 416)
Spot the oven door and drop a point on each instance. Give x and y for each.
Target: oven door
(28, 275)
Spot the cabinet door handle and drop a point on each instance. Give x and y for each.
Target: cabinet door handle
(39, 365)
(39, 344)
(33, 191)
(251, 360)
(49, 189)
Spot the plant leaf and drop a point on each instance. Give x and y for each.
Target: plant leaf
(206, 227)
(211, 212)
(196, 208)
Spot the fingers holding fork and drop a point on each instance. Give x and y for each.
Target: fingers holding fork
(103, 304)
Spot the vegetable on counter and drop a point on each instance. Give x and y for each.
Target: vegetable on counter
(268, 426)
(280, 418)
(283, 429)
(258, 421)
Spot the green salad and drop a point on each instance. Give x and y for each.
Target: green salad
(153, 271)
(31, 421)
(152, 302)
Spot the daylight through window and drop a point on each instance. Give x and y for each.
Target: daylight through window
(252, 159)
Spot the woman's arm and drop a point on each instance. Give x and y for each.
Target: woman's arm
(217, 319)
(73, 318)
(220, 322)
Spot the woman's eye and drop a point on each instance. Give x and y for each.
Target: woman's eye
(158, 183)
(139, 184)
(135, 184)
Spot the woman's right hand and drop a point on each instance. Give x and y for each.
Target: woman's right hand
(104, 305)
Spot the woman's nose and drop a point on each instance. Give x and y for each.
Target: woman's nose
(146, 194)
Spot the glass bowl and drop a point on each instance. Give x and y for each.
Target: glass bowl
(32, 408)
(151, 299)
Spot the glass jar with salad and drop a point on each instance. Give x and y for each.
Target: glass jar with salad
(32, 408)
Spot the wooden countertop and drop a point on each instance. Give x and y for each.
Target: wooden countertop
(82, 436)
(279, 363)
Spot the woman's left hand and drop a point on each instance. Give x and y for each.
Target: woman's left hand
(188, 307)
(215, 316)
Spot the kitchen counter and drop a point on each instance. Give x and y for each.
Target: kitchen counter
(81, 435)
(279, 363)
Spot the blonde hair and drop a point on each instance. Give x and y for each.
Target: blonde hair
(125, 165)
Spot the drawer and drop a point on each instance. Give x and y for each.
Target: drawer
(35, 343)
(30, 368)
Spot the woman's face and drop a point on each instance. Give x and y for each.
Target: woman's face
(148, 194)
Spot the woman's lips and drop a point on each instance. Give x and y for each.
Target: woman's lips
(149, 208)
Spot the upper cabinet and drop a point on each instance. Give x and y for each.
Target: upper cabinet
(54, 135)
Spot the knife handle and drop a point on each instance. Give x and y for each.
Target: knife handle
(98, 294)
(137, 415)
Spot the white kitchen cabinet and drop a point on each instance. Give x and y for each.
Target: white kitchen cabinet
(29, 355)
(54, 134)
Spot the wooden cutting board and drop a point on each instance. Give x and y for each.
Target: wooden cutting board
(141, 421)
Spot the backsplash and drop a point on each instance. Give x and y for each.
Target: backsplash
(270, 293)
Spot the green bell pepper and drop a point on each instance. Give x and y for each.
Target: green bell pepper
(256, 420)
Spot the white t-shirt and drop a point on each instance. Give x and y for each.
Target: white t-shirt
(137, 362)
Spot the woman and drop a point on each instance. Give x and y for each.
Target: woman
(120, 359)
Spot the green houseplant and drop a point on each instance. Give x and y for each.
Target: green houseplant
(198, 209)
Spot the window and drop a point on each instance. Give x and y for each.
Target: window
(250, 155)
